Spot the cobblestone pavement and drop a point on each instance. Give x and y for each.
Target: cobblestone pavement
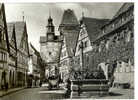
(44, 94)
(9, 91)
(35, 94)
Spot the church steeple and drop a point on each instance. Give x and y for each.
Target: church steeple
(50, 29)
(50, 26)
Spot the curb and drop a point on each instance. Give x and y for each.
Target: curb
(4, 94)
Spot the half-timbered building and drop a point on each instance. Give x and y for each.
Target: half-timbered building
(12, 61)
(22, 52)
(4, 48)
(69, 29)
(89, 30)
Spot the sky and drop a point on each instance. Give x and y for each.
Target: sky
(36, 15)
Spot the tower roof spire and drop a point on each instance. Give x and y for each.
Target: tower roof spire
(82, 14)
(50, 18)
(23, 16)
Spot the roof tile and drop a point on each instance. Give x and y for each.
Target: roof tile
(93, 26)
(19, 30)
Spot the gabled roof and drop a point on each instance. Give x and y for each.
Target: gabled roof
(123, 8)
(3, 22)
(12, 34)
(1, 8)
(19, 30)
(2, 13)
(93, 26)
(70, 34)
(69, 18)
(71, 40)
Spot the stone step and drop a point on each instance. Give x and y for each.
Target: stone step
(88, 94)
(90, 81)
(90, 87)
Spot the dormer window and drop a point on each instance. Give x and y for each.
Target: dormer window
(113, 25)
(100, 48)
(86, 44)
(103, 31)
(122, 19)
(107, 44)
(128, 36)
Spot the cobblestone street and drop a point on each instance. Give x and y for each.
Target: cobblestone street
(44, 94)
(35, 94)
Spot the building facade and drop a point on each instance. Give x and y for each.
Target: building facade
(22, 52)
(4, 48)
(49, 49)
(117, 44)
(34, 67)
(69, 29)
(12, 61)
(89, 30)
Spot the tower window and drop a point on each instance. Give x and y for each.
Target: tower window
(50, 53)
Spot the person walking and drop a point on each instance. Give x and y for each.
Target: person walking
(67, 95)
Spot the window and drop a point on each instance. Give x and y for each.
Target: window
(114, 39)
(64, 53)
(78, 60)
(128, 36)
(64, 62)
(50, 53)
(87, 59)
(107, 44)
(113, 25)
(81, 32)
(116, 22)
(122, 34)
(103, 31)
(100, 49)
(122, 19)
(3, 56)
(80, 45)
(86, 44)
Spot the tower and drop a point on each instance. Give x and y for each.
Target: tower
(50, 49)
(50, 30)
